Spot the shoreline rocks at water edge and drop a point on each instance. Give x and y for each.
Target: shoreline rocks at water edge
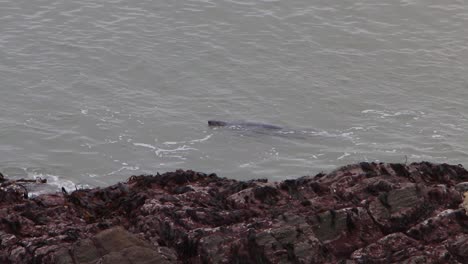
(360, 213)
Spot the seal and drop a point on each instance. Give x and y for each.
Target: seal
(242, 124)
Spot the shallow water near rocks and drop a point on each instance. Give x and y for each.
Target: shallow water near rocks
(93, 92)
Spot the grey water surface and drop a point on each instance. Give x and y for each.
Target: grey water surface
(93, 92)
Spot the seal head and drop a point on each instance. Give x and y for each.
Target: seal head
(216, 123)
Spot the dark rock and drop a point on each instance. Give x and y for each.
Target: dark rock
(393, 248)
(458, 247)
(182, 189)
(361, 213)
(266, 194)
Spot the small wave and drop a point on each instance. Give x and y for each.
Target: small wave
(343, 156)
(404, 113)
(128, 168)
(173, 152)
(144, 145)
(161, 152)
(54, 184)
(188, 141)
(346, 135)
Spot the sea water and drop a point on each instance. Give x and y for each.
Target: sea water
(93, 92)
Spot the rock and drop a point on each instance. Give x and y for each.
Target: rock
(464, 205)
(392, 248)
(115, 245)
(360, 213)
(458, 247)
(440, 227)
(397, 209)
(462, 187)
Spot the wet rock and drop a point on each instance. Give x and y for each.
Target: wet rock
(360, 213)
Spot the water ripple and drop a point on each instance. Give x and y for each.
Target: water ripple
(88, 86)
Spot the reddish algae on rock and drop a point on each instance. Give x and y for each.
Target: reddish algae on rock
(361, 213)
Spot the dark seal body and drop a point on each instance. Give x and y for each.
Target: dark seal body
(241, 124)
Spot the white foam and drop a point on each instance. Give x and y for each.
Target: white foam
(347, 135)
(144, 145)
(343, 156)
(56, 182)
(128, 168)
(188, 141)
(384, 113)
(246, 165)
(183, 148)
(160, 152)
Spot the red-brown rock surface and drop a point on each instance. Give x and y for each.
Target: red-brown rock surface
(363, 213)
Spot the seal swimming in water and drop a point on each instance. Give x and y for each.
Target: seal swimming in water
(240, 124)
(249, 128)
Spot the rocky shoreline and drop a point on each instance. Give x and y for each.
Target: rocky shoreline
(361, 213)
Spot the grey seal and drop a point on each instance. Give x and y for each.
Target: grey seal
(243, 124)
